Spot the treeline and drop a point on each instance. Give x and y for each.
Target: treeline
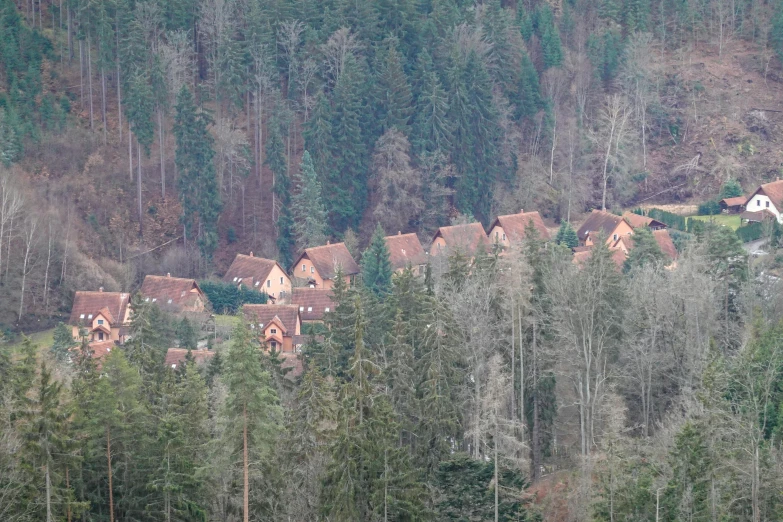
(434, 398)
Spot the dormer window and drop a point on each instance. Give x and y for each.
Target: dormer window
(273, 330)
(81, 316)
(309, 308)
(89, 316)
(301, 308)
(326, 309)
(100, 321)
(260, 325)
(403, 251)
(257, 283)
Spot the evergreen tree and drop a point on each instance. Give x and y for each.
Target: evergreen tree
(252, 406)
(645, 251)
(187, 334)
(636, 15)
(307, 207)
(566, 235)
(146, 348)
(63, 342)
(376, 265)
(525, 22)
(197, 182)
(731, 189)
(528, 101)
(431, 125)
(393, 93)
(139, 106)
(687, 495)
(776, 31)
(276, 161)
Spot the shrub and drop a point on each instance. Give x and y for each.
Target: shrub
(671, 219)
(227, 298)
(709, 208)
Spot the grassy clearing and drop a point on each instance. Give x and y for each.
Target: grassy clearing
(43, 339)
(226, 321)
(730, 220)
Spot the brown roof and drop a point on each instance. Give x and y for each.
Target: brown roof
(467, 237)
(250, 270)
(664, 241)
(327, 258)
(293, 361)
(758, 216)
(637, 221)
(515, 225)
(263, 314)
(734, 202)
(87, 304)
(598, 221)
(312, 302)
(176, 356)
(774, 191)
(99, 350)
(581, 257)
(172, 293)
(405, 250)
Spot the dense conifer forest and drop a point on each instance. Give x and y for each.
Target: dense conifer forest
(146, 137)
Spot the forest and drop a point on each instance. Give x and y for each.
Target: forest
(143, 137)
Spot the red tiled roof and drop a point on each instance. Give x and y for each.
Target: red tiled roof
(327, 258)
(171, 293)
(293, 361)
(98, 351)
(758, 216)
(249, 270)
(467, 238)
(405, 250)
(774, 191)
(664, 241)
(598, 221)
(88, 304)
(637, 221)
(263, 314)
(176, 356)
(581, 257)
(734, 202)
(312, 302)
(515, 225)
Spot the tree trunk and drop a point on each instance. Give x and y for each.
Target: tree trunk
(119, 98)
(81, 74)
(497, 477)
(138, 167)
(48, 494)
(89, 78)
(30, 235)
(513, 365)
(245, 469)
(103, 103)
(130, 153)
(108, 464)
(162, 155)
(68, 499)
(48, 264)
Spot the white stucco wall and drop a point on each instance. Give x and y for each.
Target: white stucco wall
(760, 202)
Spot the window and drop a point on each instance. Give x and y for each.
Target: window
(235, 279)
(281, 280)
(269, 283)
(497, 234)
(154, 299)
(312, 269)
(304, 268)
(758, 202)
(504, 237)
(274, 345)
(100, 336)
(257, 283)
(100, 321)
(274, 330)
(169, 301)
(81, 316)
(301, 308)
(767, 204)
(614, 237)
(89, 316)
(309, 308)
(326, 309)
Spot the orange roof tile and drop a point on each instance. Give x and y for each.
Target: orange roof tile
(263, 314)
(249, 270)
(87, 304)
(176, 356)
(313, 303)
(515, 225)
(598, 221)
(327, 258)
(171, 293)
(405, 250)
(466, 238)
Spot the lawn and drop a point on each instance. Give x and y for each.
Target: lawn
(43, 339)
(730, 220)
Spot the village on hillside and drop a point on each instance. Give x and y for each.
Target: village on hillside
(297, 298)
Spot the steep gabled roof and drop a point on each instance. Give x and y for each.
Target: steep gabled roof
(263, 314)
(637, 221)
(734, 202)
(249, 270)
(170, 293)
(598, 221)
(774, 191)
(312, 302)
(404, 250)
(466, 238)
(515, 225)
(176, 356)
(327, 258)
(87, 304)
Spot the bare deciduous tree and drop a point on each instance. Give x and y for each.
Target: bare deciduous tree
(398, 184)
(336, 51)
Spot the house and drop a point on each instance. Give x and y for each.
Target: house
(99, 350)
(638, 221)
(465, 238)
(175, 357)
(600, 222)
(317, 266)
(313, 303)
(768, 196)
(260, 274)
(405, 251)
(732, 205)
(512, 229)
(276, 324)
(662, 237)
(582, 255)
(759, 216)
(103, 315)
(173, 294)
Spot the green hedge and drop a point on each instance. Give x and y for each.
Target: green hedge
(750, 232)
(226, 298)
(671, 219)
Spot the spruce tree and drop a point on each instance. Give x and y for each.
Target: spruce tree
(392, 93)
(376, 265)
(528, 100)
(776, 31)
(276, 161)
(62, 343)
(566, 235)
(307, 207)
(431, 125)
(197, 182)
(252, 407)
(645, 251)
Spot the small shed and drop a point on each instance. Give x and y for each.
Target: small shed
(732, 205)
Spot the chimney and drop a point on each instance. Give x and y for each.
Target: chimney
(168, 274)
(100, 289)
(328, 242)
(521, 210)
(399, 232)
(251, 254)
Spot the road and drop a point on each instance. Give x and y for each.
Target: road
(755, 246)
